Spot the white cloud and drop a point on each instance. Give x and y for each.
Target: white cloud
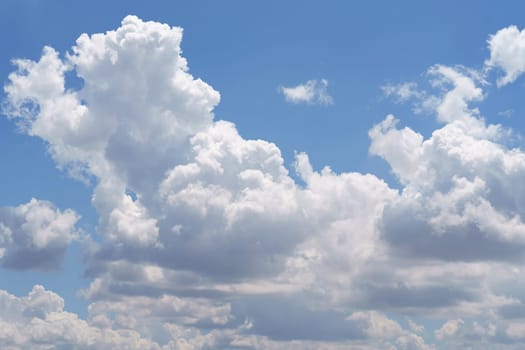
(35, 235)
(413, 342)
(38, 321)
(311, 92)
(516, 330)
(212, 213)
(414, 327)
(454, 104)
(507, 52)
(460, 185)
(403, 92)
(207, 242)
(449, 329)
(378, 326)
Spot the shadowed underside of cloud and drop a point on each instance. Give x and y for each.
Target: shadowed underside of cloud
(206, 242)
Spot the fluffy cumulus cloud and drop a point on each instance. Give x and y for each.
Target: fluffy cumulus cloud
(38, 321)
(507, 52)
(35, 235)
(311, 92)
(205, 241)
(462, 186)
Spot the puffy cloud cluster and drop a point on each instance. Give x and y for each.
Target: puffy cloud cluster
(35, 235)
(38, 321)
(462, 187)
(207, 242)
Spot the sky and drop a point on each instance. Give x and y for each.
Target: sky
(262, 175)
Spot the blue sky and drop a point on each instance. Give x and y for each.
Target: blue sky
(272, 175)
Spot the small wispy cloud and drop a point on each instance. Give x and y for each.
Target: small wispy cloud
(506, 113)
(311, 92)
(409, 92)
(402, 92)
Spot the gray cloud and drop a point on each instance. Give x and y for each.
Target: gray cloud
(289, 318)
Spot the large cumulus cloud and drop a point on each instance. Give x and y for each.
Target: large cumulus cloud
(462, 186)
(206, 241)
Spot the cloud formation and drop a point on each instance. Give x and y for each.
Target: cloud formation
(311, 92)
(507, 52)
(35, 235)
(207, 242)
(402, 92)
(38, 321)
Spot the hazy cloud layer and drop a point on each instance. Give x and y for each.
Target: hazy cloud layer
(207, 242)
